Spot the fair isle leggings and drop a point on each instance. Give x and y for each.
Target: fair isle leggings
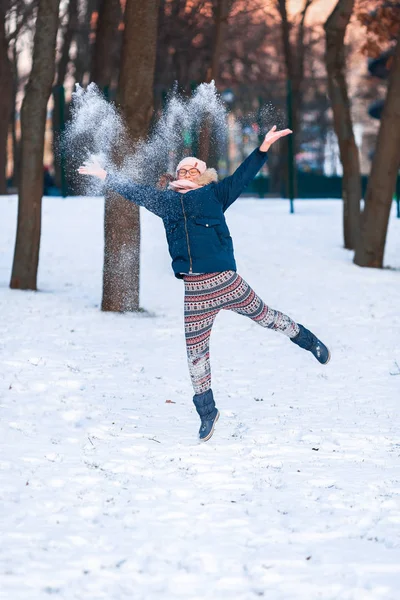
(205, 296)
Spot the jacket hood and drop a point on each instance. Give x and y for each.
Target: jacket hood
(209, 176)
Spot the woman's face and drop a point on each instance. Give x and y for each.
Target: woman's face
(187, 172)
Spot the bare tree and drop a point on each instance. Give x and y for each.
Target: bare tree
(106, 33)
(135, 97)
(221, 10)
(335, 28)
(33, 122)
(69, 32)
(83, 39)
(382, 181)
(6, 81)
(19, 16)
(293, 44)
(15, 140)
(230, 42)
(59, 109)
(294, 51)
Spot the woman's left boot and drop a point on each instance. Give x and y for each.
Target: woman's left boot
(307, 340)
(207, 412)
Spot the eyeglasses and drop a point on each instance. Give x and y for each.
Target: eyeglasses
(183, 172)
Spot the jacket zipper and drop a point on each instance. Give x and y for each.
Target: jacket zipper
(187, 236)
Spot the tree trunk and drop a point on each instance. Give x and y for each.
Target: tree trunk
(16, 145)
(135, 97)
(83, 44)
(298, 67)
(6, 80)
(335, 28)
(33, 123)
(221, 14)
(382, 181)
(288, 57)
(59, 109)
(106, 33)
(294, 63)
(69, 34)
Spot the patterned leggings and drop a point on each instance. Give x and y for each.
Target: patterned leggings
(205, 296)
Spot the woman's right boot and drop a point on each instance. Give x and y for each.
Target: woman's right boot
(207, 412)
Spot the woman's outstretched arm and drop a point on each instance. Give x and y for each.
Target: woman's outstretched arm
(230, 188)
(143, 195)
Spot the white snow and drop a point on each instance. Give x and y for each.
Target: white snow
(105, 492)
(111, 143)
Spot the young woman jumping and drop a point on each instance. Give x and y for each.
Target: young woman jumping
(192, 210)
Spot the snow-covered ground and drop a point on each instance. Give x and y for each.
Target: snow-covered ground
(105, 492)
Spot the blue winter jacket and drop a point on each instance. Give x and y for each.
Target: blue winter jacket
(198, 236)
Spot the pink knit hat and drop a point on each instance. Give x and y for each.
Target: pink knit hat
(193, 163)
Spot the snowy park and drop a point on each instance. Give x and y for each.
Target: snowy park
(199, 300)
(106, 492)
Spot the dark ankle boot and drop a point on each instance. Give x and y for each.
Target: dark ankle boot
(207, 412)
(307, 340)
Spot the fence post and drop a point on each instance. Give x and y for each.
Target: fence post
(61, 108)
(290, 146)
(260, 138)
(398, 196)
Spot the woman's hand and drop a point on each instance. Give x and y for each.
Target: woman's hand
(92, 167)
(272, 136)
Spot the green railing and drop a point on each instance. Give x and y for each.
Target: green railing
(313, 185)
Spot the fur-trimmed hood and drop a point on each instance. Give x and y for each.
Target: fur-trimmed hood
(209, 176)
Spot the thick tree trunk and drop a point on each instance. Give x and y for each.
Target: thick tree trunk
(16, 145)
(6, 80)
(33, 122)
(106, 34)
(221, 14)
(135, 97)
(59, 110)
(335, 28)
(83, 44)
(382, 181)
